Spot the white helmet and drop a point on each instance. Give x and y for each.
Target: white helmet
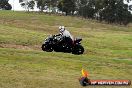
(61, 29)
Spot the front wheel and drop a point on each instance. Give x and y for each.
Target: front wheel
(78, 49)
(47, 48)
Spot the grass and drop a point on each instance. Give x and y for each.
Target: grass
(108, 51)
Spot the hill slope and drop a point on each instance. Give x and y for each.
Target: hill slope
(108, 51)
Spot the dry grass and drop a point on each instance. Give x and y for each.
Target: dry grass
(108, 51)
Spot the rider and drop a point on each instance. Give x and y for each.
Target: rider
(66, 34)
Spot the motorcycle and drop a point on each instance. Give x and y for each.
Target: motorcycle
(57, 43)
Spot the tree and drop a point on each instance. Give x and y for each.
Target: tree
(28, 4)
(41, 4)
(46, 4)
(54, 3)
(51, 4)
(111, 11)
(130, 7)
(8, 6)
(24, 5)
(128, 0)
(5, 5)
(67, 6)
(115, 11)
(31, 4)
(87, 8)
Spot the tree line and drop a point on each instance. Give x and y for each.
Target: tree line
(110, 11)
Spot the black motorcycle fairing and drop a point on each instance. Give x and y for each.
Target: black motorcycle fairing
(48, 39)
(61, 44)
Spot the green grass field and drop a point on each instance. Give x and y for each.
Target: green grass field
(108, 51)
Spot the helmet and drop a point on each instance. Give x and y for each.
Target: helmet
(61, 28)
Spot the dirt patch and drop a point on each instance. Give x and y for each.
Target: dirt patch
(34, 47)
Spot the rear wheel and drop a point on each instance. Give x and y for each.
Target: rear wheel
(47, 48)
(78, 49)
